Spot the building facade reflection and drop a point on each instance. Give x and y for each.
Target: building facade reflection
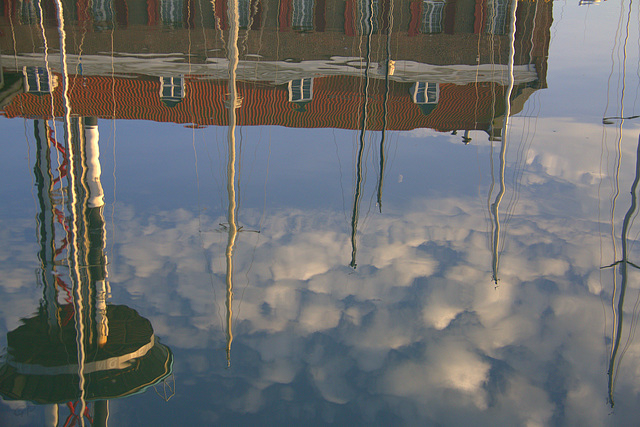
(439, 65)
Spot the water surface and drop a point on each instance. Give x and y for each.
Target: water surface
(319, 212)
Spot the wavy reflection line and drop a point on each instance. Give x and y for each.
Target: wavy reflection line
(622, 264)
(526, 139)
(495, 207)
(616, 315)
(73, 255)
(233, 102)
(45, 41)
(46, 220)
(385, 106)
(363, 125)
(114, 198)
(618, 309)
(13, 37)
(50, 77)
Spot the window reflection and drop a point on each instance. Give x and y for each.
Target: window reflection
(171, 90)
(497, 16)
(171, 12)
(432, 17)
(302, 19)
(29, 12)
(36, 80)
(102, 12)
(368, 16)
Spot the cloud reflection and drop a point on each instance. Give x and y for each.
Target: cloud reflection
(420, 316)
(418, 332)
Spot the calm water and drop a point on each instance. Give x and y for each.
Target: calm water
(314, 212)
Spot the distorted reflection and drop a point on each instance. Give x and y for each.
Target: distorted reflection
(77, 348)
(333, 212)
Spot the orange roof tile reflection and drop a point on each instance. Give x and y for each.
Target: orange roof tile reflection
(337, 103)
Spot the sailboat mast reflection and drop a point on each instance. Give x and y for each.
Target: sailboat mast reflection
(388, 71)
(615, 359)
(366, 21)
(612, 371)
(120, 355)
(495, 206)
(232, 103)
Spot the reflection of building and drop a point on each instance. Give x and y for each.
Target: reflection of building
(77, 348)
(331, 102)
(431, 32)
(300, 64)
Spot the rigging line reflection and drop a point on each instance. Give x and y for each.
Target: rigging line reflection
(622, 264)
(618, 161)
(495, 206)
(617, 310)
(46, 220)
(113, 131)
(73, 254)
(363, 123)
(207, 259)
(524, 143)
(45, 41)
(204, 33)
(13, 37)
(261, 14)
(50, 77)
(385, 108)
(121, 354)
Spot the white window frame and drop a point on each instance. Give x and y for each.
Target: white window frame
(432, 17)
(174, 86)
(302, 15)
(297, 89)
(497, 17)
(425, 93)
(37, 80)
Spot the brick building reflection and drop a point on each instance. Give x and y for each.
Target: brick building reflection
(300, 61)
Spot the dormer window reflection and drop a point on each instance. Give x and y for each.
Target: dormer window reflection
(244, 12)
(171, 90)
(37, 80)
(425, 93)
(301, 93)
(28, 13)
